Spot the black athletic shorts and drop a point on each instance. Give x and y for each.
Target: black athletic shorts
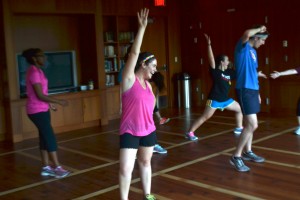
(248, 100)
(134, 142)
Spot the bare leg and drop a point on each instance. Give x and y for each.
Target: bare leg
(246, 136)
(127, 159)
(45, 158)
(238, 113)
(208, 112)
(144, 161)
(54, 159)
(298, 118)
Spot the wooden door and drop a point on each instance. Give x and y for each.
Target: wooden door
(155, 41)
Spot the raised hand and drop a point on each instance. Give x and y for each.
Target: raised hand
(263, 29)
(143, 17)
(207, 39)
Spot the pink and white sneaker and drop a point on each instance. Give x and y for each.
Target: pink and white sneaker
(61, 172)
(191, 136)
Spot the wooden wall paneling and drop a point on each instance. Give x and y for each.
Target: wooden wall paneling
(27, 124)
(9, 58)
(129, 7)
(174, 47)
(156, 42)
(87, 49)
(3, 77)
(16, 134)
(109, 7)
(32, 6)
(85, 6)
(127, 23)
(284, 92)
(35, 30)
(53, 6)
(109, 25)
(10, 53)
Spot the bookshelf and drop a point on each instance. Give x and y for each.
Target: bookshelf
(118, 33)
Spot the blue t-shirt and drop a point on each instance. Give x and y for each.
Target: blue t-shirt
(246, 64)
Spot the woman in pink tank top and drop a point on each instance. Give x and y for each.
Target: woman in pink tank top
(37, 108)
(137, 130)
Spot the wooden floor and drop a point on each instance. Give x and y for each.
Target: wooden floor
(190, 170)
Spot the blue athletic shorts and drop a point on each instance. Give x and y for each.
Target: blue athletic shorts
(128, 141)
(249, 101)
(219, 105)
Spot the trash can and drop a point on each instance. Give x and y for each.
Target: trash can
(184, 92)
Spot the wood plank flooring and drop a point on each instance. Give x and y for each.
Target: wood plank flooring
(190, 170)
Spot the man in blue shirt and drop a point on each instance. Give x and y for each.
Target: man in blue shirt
(247, 88)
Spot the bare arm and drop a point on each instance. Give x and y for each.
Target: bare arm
(128, 76)
(38, 91)
(276, 74)
(211, 59)
(251, 32)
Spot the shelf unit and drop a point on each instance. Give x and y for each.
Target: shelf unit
(118, 33)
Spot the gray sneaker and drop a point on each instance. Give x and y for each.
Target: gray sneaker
(252, 157)
(238, 164)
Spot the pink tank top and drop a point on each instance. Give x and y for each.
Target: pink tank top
(137, 110)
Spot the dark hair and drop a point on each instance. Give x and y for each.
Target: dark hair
(29, 53)
(146, 57)
(219, 59)
(158, 79)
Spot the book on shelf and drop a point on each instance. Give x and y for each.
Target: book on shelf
(109, 36)
(122, 64)
(126, 36)
(115, 65)
(108, 65)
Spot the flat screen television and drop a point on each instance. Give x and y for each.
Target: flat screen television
(60, 70)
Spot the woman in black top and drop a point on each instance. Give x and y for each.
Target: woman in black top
(218, 96)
